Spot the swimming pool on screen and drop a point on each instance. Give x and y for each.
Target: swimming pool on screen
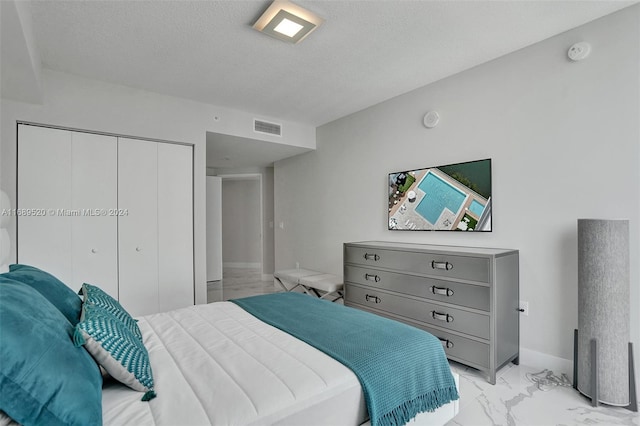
(439, 195)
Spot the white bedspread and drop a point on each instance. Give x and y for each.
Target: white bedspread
(216, 364)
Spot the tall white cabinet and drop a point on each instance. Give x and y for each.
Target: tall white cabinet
(109, 211)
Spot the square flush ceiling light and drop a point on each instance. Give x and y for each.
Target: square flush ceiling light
(287, 21)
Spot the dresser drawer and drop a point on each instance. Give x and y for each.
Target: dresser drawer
(469, 295)
(431, 263)
(430, 313)
(466, 350)
(459, 348)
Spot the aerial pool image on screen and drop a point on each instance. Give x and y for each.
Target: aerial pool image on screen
(456, 197)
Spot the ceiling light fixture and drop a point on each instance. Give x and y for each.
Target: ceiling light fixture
(288, 28)
(287, 21)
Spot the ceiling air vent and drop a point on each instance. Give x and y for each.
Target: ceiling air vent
(266, 127)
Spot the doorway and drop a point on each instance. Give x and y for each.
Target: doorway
(246, 270)
(242, 222)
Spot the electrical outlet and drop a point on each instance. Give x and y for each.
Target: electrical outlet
(524, 308)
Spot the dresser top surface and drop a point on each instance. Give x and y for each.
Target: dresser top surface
(488, 251)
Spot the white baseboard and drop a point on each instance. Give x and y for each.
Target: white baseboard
(242, 265)
(540, 360)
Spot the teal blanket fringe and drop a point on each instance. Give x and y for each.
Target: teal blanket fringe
(403, 371)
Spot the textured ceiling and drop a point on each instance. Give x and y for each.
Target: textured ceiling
(365, 53)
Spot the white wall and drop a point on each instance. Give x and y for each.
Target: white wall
(84, 104)
(20, 57)
(241, 223)
(564, 140)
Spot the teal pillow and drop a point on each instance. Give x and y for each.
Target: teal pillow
(96, 296)
(54, 290)
(44, 378)
(115, 348)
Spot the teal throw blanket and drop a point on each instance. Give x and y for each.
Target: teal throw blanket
(403, 371)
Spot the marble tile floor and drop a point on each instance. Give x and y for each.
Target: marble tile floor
(237, 283)
(515, 400)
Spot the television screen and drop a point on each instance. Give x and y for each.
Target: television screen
(453, 197)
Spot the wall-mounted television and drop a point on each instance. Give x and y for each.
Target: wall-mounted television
(452, 197)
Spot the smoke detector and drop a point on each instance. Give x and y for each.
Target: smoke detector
(579, 51)
(431, 119)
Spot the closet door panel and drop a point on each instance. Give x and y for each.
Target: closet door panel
(175, 226)
(138, 231)
(94, 232)
(44, 194)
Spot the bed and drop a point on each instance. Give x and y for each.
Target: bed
(211, 364)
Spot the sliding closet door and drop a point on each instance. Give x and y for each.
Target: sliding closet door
(94, 237)
(44, 192)
(175, 226)
(138, 230)
(113, 212)
(65, 179)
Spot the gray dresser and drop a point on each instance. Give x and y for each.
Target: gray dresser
(465, 296)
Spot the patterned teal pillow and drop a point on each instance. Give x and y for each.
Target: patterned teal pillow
(96, 296)
(115, 348)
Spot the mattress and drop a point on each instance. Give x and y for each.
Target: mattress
(216, 364)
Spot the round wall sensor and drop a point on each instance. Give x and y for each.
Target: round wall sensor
(579, 51)
(431, 119)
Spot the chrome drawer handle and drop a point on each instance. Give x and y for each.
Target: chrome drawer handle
(441, 265)
(370, 298)
(441, 317)
(443, 291)
(370, 277)
(371, 256)
(446, 343)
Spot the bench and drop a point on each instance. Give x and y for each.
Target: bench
(311, 282)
